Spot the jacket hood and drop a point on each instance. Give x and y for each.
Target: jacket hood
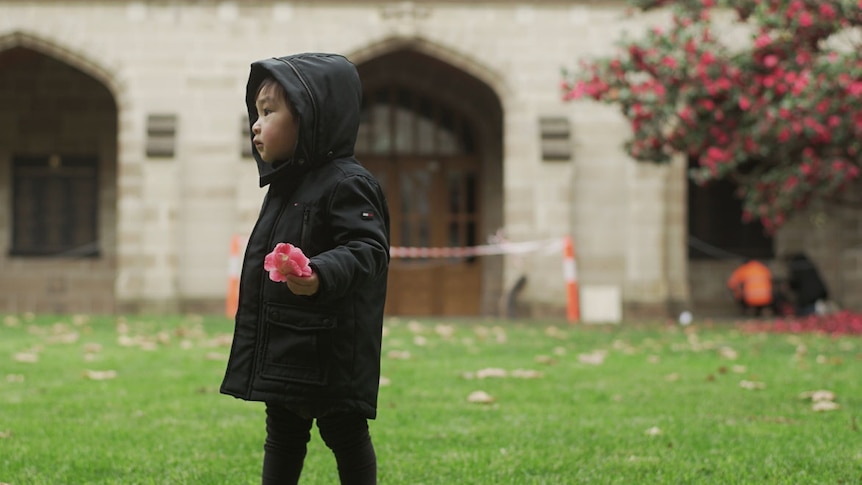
(326, 93)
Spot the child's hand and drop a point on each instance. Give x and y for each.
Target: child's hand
(303, 285)
(286, 259)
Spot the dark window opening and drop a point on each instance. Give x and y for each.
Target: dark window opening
(55, 206)
(715, 226)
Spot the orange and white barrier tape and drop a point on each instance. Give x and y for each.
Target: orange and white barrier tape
(408, 252)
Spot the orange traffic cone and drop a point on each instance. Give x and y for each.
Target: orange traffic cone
(232, 300)
(570, 271)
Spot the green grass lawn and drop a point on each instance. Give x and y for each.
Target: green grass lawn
(135, 400)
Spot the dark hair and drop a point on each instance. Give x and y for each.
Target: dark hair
(269, 84)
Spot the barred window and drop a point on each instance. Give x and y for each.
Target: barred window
(55, 206)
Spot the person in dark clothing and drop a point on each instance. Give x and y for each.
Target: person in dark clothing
(309, 348)
(804, 280)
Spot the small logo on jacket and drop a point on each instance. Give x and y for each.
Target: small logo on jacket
(367, 216)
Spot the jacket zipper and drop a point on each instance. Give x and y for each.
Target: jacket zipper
(261, 317)
(306, 214)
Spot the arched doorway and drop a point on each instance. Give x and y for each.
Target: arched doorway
(58, 151)
(431, 134)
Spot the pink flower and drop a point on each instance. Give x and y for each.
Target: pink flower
(286, 259)
(827, 11)
(669, 62)
(744, 103)
(762, 40)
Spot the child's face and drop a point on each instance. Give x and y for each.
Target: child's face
(276, 129)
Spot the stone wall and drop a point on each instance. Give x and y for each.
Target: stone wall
(174, 216)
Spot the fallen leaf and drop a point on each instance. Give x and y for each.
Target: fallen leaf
(526, 374)
(491, 372)
(654, 431)
(27, 357)
(216, 356)
(728, 353)
(415, 326)
(398, 355)
(384, 381)
(222, 340)
(80, 320)
(63, 338)
(100, 375)
(92, 348)
(545, 359)
(149, 346)
(14, 378)
(595, 357)
(824, 406)
(818, 396)
(445, 331)
(480, 397)
(4, 435)
(751, 384)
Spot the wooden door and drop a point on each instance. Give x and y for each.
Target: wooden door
(432, 204)
(422, 153)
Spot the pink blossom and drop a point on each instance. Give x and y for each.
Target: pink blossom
(717, 154)
(762, 41)
(744, 103)
(827, 11)
(805, 20)
(284, 260)
(855, 89)
(669, 62)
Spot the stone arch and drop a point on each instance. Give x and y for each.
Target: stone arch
(410, 73)
(56, 50)
(457, 59)
(59, 149)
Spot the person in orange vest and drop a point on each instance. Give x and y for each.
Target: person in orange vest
(751, 286)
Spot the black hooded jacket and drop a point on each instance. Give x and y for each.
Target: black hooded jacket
(320, 354)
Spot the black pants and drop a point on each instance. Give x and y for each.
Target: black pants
(287, 435)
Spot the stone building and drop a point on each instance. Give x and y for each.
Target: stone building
(125, 166)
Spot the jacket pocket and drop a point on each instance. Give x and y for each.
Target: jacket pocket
(298, 344)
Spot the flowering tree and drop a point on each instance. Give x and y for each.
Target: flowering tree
(780, 113)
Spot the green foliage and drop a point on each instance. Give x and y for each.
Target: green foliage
(781, 115)
(134, 401)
